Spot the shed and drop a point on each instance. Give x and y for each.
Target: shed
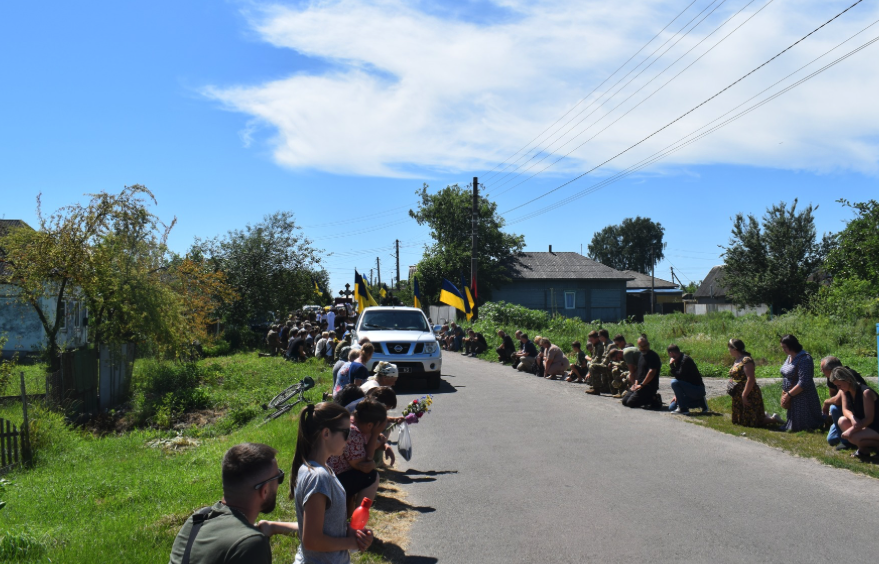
(669, 296)
(566, 283)
(711, 297)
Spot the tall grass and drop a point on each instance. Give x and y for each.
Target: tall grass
(705, 337)
(92, 499)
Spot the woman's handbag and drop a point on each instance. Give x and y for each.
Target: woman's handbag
(731, 386)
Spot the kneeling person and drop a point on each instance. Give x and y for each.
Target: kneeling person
(687, 383)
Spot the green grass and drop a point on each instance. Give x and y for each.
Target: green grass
(109, 499)
(705, 337)
(804, 444)
(34, 380)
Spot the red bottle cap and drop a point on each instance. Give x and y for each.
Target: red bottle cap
(367, 503)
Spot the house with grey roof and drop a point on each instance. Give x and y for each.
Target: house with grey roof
(711, 297)
(566, 283)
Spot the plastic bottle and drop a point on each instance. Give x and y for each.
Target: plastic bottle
(361, 514)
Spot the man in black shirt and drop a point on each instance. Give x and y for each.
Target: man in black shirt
(687, 384)
(644, 391)
(507, 348)
(527, 355)
(296, 349)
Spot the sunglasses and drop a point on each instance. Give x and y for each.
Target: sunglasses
(345, 432)
(279, 478)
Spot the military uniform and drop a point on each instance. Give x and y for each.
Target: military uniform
(599, 373)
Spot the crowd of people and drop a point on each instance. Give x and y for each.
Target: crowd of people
(630, 373)
(341, 444)
(311, 334)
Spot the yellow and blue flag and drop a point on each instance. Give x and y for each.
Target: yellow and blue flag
(361, 293)
(451, 296)
(317, 287)
(468, 298)
(416, 291)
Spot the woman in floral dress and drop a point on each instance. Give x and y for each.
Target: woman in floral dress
(747, 400)
(800, 396)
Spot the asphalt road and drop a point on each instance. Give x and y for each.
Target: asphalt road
(512, 468)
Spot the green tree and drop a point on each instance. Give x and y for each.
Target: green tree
(772, 264)
(110, 253)
(853, 265)
(448, 213)
(635, 244)
(856, 251)
(270, 266)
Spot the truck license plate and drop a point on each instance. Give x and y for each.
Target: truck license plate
(404, 369)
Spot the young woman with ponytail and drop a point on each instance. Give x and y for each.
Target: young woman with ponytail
(747, 399)
(320, 498)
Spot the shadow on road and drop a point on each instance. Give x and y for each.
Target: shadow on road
(395, 505)
(406, 477)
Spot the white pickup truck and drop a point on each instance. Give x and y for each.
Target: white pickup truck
(402, 335)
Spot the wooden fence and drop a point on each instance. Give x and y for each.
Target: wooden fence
(11, 446)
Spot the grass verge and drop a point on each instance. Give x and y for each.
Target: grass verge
(804, 444)
(104, 499)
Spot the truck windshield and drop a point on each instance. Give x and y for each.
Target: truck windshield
(393, 321)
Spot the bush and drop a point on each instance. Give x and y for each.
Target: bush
(219, 348)
(242, 338)
(165, 389)
(850, 300)
(510, 314)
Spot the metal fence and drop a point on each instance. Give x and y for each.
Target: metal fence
(91, 381)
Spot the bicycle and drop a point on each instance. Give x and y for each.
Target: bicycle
(279, 402)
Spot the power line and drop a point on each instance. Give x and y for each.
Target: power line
(685, 114)
(591, 93)
(636, 106)
(681, 143)
(537, 152)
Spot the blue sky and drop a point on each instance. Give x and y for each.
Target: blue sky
(340, 110)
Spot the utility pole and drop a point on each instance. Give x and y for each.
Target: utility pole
(653, 281)
(378, 270)
(398, 264)
(474, 221)
(371, 270)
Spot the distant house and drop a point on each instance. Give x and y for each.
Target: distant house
(19, 322)
(711, 296)
(642, 287)
(568, 284)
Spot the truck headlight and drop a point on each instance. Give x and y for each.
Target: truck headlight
(430, 348)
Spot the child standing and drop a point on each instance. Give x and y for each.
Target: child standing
(320, 498)
(355, 466)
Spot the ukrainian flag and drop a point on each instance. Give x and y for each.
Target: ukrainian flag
(383, 292)
(416, 291)
(317, 287)
(468, 298)
(451, 296)
(361, 293)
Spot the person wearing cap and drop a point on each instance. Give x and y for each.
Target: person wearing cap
(385, 374)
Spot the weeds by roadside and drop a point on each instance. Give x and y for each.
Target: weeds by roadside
(704, 337)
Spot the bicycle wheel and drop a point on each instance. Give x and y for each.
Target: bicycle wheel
(284, 396)
(278, 413)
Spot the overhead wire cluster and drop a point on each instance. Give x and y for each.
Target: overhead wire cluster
(696, 135)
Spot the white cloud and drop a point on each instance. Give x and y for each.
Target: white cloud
(405, 90)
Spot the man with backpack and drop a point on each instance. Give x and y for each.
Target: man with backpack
(225, 531)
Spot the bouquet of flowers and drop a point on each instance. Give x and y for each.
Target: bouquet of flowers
(416, 409)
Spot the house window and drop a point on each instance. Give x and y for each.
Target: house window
(570, 300)
(76, 318)
(62, 315)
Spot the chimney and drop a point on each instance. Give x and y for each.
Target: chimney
(550, 248)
